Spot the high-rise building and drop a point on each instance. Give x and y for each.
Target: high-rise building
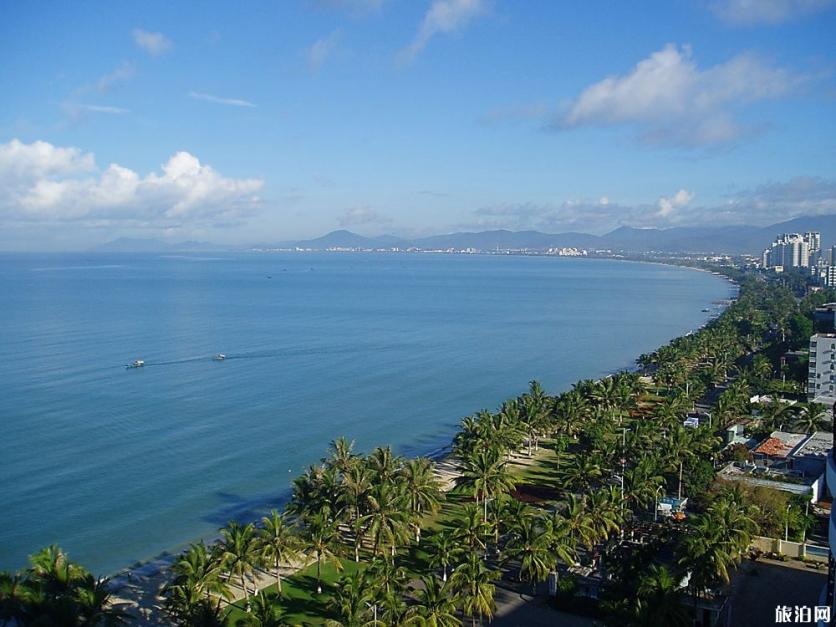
(821, 377)
(793, 250)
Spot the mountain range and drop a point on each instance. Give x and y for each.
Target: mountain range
(740, 239)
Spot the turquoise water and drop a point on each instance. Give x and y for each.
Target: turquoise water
(119, 465)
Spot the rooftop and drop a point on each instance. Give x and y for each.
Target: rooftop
(816, 445)
(780, 443)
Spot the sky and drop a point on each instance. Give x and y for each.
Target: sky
(260, 122)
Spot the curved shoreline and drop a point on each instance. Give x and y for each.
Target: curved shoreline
(141, 582)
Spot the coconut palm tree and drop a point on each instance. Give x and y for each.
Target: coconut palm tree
(341, 456)
(265, 612)
(383, 464)
(811, 417)
(355, 487)
(484, 473)
(422, 490)
(387, 518)
(436, 606)
(239, 553)
(473, 582)
(278, 543)
(352, 600)
(443, 550)
(658, 600)
(321, 538)
(471, 530)
(200, 570)
(530, 544)
(583, 473)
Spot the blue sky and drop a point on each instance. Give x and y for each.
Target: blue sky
(263, 121)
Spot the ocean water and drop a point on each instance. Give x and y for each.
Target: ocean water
(120, 465)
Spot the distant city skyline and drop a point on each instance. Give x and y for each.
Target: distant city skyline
(262, 122)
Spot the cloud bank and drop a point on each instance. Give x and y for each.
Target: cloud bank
(762, 205)
(670, 101)
(46, 183)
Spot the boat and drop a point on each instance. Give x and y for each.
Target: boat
(137, 363)
(219, 357)
(706, 310)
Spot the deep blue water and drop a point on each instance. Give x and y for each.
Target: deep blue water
(118, 465)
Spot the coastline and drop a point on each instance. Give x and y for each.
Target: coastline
(137, 587)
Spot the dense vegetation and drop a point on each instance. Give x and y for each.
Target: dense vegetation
(543, 484)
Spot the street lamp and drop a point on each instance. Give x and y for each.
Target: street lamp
(787, 524)
(656, 503)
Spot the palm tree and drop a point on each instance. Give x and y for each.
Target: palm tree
(575, 521)
(442, 552)
(658, 601)
(93, 597)
(265, 612)
(581, 474)
(436, 606)
(351, 601)
(811, 417)
(341, 456)
(530, 544)
(321, 537)
(485, 474)
(386, 521)
(422, 490)
(472, 579)
(239, 552)
(200, 570)
(356, 483)
(471, 530)
(278, 543)
(383, 464)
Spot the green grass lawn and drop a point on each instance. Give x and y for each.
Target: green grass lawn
(299, 600)
(301, 604)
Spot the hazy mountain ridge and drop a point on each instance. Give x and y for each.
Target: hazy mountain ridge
(737, 239)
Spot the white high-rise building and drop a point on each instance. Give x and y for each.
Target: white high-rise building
(821, 377)
(793, 250)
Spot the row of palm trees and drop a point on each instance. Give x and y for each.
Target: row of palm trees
(618, 445)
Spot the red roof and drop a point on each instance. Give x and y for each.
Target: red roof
(774, 447)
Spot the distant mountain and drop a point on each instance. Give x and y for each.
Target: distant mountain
(133, 245)
(340, 239)
(691, 239)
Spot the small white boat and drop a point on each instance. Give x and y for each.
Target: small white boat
(138, 363)
(219, 357)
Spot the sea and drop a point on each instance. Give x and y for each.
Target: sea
(119, 466)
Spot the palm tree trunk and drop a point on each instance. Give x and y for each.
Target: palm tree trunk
(318, 573)
(278, 577)
(244, 586)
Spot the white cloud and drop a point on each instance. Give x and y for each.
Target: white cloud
(321, 49)
(121, 74)
(749, 12)
(154, 44)
(77, 109)
(40, 181)
(233, 102)
(671, 101)
(443, 16)
(668, 204)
